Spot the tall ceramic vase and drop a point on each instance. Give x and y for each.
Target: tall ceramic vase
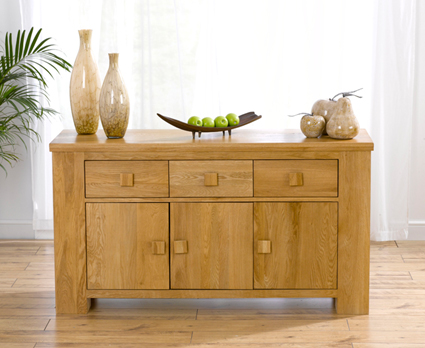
(85, 88)
(114, 101)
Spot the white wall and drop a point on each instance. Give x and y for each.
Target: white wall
(417, 169)
(15, 188)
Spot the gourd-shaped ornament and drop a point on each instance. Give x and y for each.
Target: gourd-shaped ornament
(312, 126)
(326, 108)
(114, 101)
(84, 88)
(343, 123)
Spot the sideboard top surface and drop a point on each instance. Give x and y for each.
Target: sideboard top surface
(177, 140)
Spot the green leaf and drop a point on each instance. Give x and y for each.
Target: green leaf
(34, 41)
(6, 48)
(18, 38)
(21, 47)
(28, 42)
(10, 49)
(23, 89)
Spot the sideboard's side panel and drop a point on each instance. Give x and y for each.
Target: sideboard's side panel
(69, 232)
(354, 233)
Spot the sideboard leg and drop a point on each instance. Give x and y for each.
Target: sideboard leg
(354, 233)
(69, 233)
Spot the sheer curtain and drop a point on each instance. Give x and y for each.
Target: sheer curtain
(391, 118)
(198, 57)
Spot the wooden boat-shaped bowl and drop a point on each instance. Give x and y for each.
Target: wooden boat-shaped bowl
(243, 120)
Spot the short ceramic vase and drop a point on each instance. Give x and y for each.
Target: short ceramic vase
(343, 123)
(85, 87)
(114, 101)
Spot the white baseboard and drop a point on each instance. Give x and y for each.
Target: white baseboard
(416, 230)
(43, 234)
(16, 229)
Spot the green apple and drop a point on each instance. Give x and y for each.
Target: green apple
(208, 122)
(195, 121)
(233, 119)
(221, 121)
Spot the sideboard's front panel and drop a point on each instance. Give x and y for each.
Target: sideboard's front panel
(127, 246)
(126, 179)
(296, 178)
(211, 179)
(295, 245)
(211, 245)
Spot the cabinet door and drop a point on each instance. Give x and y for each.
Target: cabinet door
(127, 246)
(295, 245)
(211, 245)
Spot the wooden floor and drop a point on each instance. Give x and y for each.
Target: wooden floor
(396, 320)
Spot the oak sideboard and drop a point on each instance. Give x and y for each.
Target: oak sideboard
(258, 214)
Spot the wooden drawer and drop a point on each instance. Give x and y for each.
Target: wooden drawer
(296, 178)
(210, 178)
(126, 178)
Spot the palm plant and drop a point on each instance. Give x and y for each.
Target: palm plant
(24, 66)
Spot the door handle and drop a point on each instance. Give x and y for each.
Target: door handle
(296, 179)
(264, 247)
(180, 247)
(126, 179)
(211, 179)
(158, 247)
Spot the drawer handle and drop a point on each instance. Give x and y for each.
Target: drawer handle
(127, 179)
(158, 247)
(180, 247)
(264, 247)
(296, 179)
(211, 179)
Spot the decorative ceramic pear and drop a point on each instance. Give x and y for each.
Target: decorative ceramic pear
(312, 126)
(326, 108)
(343, 124)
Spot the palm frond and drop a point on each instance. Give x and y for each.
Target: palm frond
(24, 65)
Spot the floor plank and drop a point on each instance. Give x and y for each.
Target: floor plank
(410, 244)
(246, 326)
(317, 337)
(13, 266)
(396, 319)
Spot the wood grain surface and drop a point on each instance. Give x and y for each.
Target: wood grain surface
(303, 240)
(188, 179)
(120, 238)
(126, 178)
(396, 318)
(296, 178)
(70, 232)
(354, 233)
(177, 141)
(219, 245)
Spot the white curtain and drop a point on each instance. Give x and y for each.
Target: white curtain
(198, 57)
(391, 118)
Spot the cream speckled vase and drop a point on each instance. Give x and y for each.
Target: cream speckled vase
(114, 101)
(85, 87)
